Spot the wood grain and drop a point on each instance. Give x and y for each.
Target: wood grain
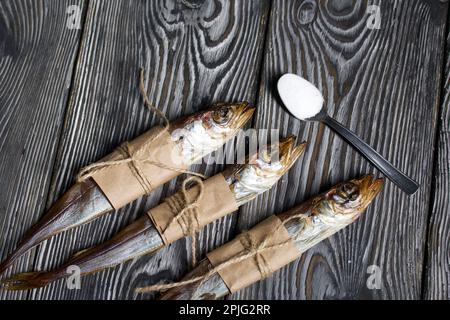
(195, 53)
(437, 273)
(37, 56)
(384, 84)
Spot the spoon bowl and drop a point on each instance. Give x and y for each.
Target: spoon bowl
(300, 96)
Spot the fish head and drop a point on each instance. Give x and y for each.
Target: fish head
(263, 169)
(206, 131)
(350, 199)
(224, 119)
(274, 160)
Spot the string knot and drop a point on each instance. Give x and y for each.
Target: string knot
(135, 166)
(186, 212)
(254, 249)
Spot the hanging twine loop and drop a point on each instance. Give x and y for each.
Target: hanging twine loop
(187, 213)
(134, 158)
(252, 249)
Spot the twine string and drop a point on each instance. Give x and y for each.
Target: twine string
(134, 157)
(187, 213)
(251, 245)
(252, 249)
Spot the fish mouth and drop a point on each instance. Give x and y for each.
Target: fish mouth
(369, 187)
(289, 153)
(245, 112)
(285, 145)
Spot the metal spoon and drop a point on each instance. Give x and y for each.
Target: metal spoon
(305, 102)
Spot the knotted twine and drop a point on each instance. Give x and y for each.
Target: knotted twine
(132, 157)
(252, 249)
(186, 210)
(187, 213)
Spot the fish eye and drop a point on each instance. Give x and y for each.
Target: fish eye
(222, 115)
(348, 192)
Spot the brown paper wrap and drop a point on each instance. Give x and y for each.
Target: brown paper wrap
(217, 201)
(243, 273)
(121, 184)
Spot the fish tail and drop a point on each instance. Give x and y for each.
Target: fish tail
(77, 206)
(28, 280)
(6, 264)
(30, 240)
(20, 250)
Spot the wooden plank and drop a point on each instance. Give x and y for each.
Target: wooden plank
(37, 55)
(195, 53)
(384, 84)
(437, 273)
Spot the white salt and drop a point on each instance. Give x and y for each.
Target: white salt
(300, 96)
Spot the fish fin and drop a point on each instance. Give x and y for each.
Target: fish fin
(25, 281)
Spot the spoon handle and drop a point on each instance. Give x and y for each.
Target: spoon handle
(404, 182)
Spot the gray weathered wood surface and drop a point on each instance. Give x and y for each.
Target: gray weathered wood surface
(385, 86)
(437, 281)
(68, 97)
(37, 56)
(195, 54)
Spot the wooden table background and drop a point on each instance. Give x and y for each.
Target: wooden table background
(69, 96)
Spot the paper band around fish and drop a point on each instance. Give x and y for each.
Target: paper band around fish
(162, 153)
(220, 195)
(265, 254)
(273, 243)
(216, 201)
(125, 182)
(137, 167)
(186, 212)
